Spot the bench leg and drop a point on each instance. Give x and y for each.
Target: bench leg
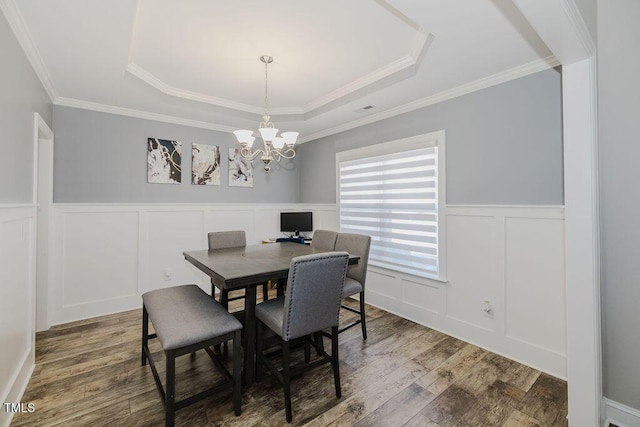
(145, 334)
(259, 349)
(170, 410)
(237, 373)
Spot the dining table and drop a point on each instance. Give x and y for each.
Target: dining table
(246, 267)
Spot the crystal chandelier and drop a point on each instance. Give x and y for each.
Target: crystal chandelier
(274, 147)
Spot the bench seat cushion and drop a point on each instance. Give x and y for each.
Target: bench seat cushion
(186, 315)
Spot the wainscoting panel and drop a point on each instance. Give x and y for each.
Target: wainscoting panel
(100, 257)
(166, 232)
(381, 283)
(534, 282)
(472, 271)
(423, 296)
(107, 255)
(512, 257)
(17, 301)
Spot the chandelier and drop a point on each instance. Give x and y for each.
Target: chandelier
(273, 147)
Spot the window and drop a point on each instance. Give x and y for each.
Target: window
(393, 193)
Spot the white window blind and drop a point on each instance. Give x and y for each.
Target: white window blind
(394, 199)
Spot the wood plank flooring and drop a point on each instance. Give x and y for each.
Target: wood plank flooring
(89, 373)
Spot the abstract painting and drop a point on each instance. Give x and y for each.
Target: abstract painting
(205, 164)
(164, 161)
(240, 170)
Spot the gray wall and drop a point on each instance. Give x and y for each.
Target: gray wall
(21, 94)
(619, 127)
(102, 158)
(503, 145)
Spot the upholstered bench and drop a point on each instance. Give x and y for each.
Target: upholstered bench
(186, 319)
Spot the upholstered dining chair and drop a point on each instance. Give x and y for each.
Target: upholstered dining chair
(312, 303)
(229, 239)
(356, 244)
(324, 240)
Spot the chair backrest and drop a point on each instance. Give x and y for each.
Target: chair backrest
(324, 240)
(227, 239)
(314, 293)
(356, 244)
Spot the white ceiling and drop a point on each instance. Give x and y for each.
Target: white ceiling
(197, 61)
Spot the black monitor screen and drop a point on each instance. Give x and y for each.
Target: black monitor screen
(295, 221)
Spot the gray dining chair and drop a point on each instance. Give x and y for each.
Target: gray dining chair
(223, 240)
(324, 240)
(312, 303)
(356, 244)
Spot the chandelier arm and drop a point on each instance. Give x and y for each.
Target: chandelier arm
(289, 153)
(250, 155)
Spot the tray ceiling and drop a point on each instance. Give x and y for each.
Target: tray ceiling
(196, 61)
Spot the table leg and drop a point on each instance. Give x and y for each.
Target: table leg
(281, 283)
(249, 368)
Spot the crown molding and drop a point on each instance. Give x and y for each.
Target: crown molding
(21, 31)
(93, 106)
(418, 48)
(495, 79)
(511, 74)
(582, 32)
(419, 45)
(158, 84)
(560, 25)
(410, 60)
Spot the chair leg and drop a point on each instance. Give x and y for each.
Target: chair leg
(317, 336)
(170, 410)
(265, 291)
(145, 333)
(335, 361)
(363, 321)
(286, 376)
(259, 349)
(237, 374)
(307, 349)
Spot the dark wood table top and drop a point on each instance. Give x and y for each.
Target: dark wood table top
(252, 264)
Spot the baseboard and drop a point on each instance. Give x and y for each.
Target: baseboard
(621, 415)
(17, 388)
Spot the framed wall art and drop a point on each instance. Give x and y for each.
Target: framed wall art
(205, 164)
(240, 170)
(164, 161)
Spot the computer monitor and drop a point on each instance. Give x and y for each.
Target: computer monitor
(296, 222)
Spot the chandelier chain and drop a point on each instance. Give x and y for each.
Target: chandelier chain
(266, 97)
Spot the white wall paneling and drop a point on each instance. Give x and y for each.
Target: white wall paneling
(17, 301)
(105, 256)
(512, 257)
(620, 415)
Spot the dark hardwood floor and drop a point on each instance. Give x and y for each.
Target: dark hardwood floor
(88, 373)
